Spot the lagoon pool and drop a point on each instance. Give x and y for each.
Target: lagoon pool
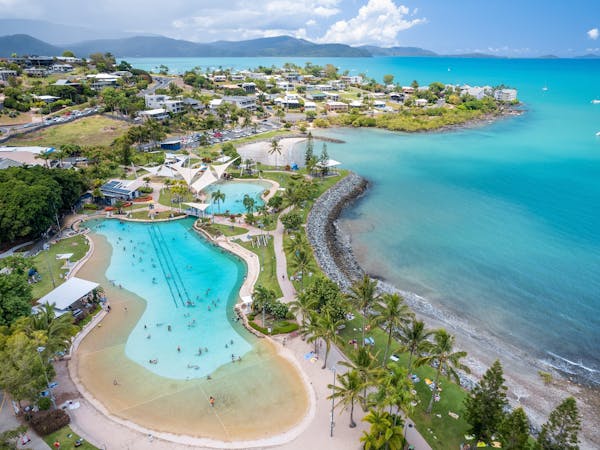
(234, 194)
(190, 286)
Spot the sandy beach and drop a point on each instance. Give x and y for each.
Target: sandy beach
(259, 151)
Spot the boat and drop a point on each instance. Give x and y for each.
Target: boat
(596, 102)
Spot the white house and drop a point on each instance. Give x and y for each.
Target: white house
(421, 102)
(156, 114)
(242, 102)
(336, 106)
(310, 106)
(219, 78)
(36, 72)
(62, 68)
(288, 101)
(100, 81)
(333, 96)
(379, 104)
(6, 74)
(505, 95)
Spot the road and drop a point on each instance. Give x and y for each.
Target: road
(159, 83)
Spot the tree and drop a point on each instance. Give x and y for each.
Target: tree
(448, 361)
(297, 243)
(328, 328)
(324, 158)
(248, 203)
(414, 84)
(217, 197)
(383, 434)
(561, 430)
(484, 407)
(347, 391)
(308, 154)
(22, 369)
(394, 391)
(414, 337)
(303, 305)
(9, 439)
(367, 368)
(68, 54)
(514, 431)
(291, 221)
(56, 331)
(275, 149)
(275, 202)
(15, 297)
(388, 79)
(363, 295)
(301, 263)
(392, 313)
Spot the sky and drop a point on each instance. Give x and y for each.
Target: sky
(515, 28)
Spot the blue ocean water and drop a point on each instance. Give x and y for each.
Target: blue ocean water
(499, 224)
(234, 195)
(190, 287)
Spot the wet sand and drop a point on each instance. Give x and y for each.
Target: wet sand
(261, 396)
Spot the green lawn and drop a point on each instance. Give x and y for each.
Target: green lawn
(143, 215)
(67, 439)
(49, 267)
(268, 271)
(442, 432)
(88, 131)
(227, 230)
(167, 195)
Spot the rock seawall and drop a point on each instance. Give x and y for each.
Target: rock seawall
(332, 250)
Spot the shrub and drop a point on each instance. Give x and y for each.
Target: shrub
(44, 403)
(90, 206)
(46, 422)
(146, 189)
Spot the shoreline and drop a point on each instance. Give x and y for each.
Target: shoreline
(335, 256)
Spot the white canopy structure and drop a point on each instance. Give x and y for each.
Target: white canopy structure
(68, 293)
(198, 206)
(204, 181)
(328, 163)
(187, 173)
(220, 169)
(161, 171)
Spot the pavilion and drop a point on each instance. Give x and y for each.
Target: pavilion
(67, 294)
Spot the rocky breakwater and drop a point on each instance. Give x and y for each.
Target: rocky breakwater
(332, 249)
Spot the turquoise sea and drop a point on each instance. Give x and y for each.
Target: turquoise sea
(498, 225)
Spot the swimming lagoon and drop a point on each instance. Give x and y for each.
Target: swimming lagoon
(187, 329)
(260, 396)
(234, 195)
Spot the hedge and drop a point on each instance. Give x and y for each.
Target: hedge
(46, 422)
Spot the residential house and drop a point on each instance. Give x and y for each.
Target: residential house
(288, 101)
(379, 104)
(174, 106)
(61, 68)
(156, 114)
(5, 74)
(316, 96)
(219, 78)
(336, 106)
(285, 85)
(100, 81)
(46, 98)
(505, 95)
(358, 104)
(310, 106)
(37, 72)
(192, 103)
(69, 59)
(237, 77)
(249, 88)
(337, 85)
(408, 89)
(397, 97)
(215, 103)
(333, 96)
(421, 102)
(355, 79)
(248, 103)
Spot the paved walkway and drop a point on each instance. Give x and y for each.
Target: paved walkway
(8, 421)
(287, 288)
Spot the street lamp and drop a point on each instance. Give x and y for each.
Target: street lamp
(331, 422)
(40, 350)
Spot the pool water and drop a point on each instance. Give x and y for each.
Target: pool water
(234, 195)
(190, 286)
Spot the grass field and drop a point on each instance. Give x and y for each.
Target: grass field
(49, 267)
(268, 272)
(66, 437)
(89, 131)
(228, 230)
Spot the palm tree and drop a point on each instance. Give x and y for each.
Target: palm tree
(298, 242)
(394, 390)
(248, 203)
(327, 330)
(347, 392)
(303, 305)
(383, 434)
(301, 263)
(393, 313)
(367, 367)
(218, 197)
(363, 294)
(447, 360)
(415, 337)
(311, 329)
(275, 149)
(58, 331)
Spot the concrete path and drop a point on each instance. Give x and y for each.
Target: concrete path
(287, 288)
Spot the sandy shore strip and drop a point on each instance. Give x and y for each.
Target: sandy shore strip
(526, 388)
(259, 152)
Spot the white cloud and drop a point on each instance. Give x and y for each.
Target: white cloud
(593, 33)
(311, 22)
(378, 22)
